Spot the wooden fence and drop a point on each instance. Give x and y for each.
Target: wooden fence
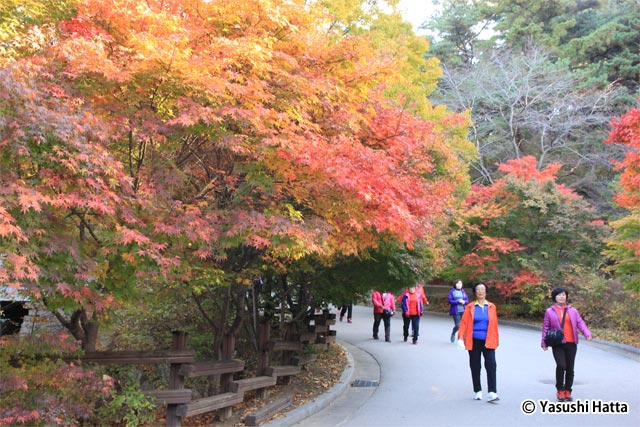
(278, 360)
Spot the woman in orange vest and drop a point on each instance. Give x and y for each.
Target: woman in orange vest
(412, 303)
(478, 333)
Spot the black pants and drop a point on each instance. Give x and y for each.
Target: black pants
(565, 356)
(377, 317)
(415, 326)
(347, 308)
(479, 350)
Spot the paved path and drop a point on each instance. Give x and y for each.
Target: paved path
(430, 384)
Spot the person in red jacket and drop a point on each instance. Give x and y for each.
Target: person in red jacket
(384, 306)
(376, 300)
(412, 303)
(478, 333)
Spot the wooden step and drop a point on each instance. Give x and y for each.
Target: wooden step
(139, 357)
(282, 371)
(240, 386)
(307, 336)
(278, 345)
(208, 404)
(205, 369)
(266, 412)
(304, 359)
(165, 397)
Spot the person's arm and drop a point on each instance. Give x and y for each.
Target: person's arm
(582, 326)
(545, 328)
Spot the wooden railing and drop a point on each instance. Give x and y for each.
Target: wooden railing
(182, 364)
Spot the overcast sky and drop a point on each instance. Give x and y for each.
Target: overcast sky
(416, 12)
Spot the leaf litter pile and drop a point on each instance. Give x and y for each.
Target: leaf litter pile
(318, 378)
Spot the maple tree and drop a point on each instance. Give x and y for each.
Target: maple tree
(525, 230)
(181, 146)
(624, 245)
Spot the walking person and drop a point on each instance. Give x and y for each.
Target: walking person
(346, 309)
(388, 310)
(412, 303)
(458, 299)
(565, 352)
(378, 309)
(478, 333)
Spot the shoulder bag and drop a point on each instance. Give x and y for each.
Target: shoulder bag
(554, 337)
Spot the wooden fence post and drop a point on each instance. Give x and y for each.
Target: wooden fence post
(176, 381)
(265, 336)
(228, 348)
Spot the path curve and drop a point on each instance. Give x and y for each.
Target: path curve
(398, 384)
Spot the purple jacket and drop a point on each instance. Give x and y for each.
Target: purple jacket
(454, 304)
(552, 321)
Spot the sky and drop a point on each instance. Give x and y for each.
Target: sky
(416, 12)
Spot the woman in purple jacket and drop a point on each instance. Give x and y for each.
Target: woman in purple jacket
(458, 299)
(565, 353)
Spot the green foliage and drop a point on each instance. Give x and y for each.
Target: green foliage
(604, 302)
(623, 248)
(27, 26)
(127, 405)
(601, 43)
(525, 232)
(387, 267)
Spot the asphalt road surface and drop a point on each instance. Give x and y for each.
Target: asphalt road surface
(429, 384)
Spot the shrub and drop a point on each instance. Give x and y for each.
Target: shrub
(42, 383)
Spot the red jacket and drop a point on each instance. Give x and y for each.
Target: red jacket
(466, 326)
(376, 300)
(419, 291)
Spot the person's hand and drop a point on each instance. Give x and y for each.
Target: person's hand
(545, 348)
(460, 344)
(460, 301)
(590, 337)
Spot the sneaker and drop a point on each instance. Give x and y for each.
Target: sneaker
(453, 337)
(567, 396)
(478, 395)
(375, 337)
(405, 339)
(415, 343)
(348, 320)
(492, 397)
(560, 395)
(341, 317)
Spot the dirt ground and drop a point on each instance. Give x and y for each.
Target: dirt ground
(318, 378)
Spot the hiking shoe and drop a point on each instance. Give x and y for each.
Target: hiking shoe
(478, 395)
(492, 397)
(415, 343)
(348, 320)
(567, 396)
(405, 339)
(560, 396)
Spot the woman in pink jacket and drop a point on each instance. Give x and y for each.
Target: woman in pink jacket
(565, 353)
(384, 306)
